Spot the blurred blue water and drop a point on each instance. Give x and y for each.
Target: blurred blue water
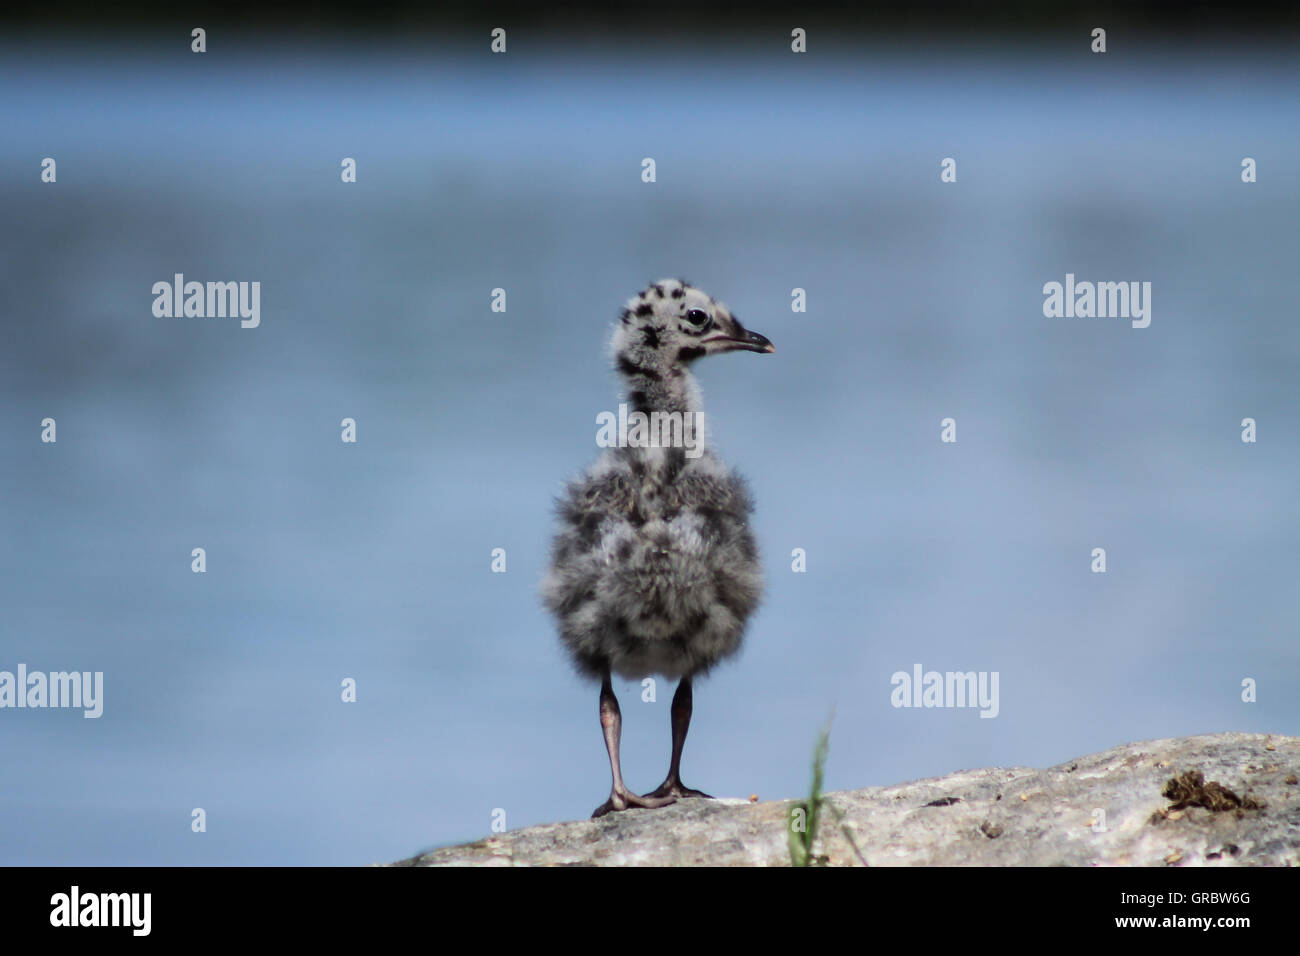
(372, 560)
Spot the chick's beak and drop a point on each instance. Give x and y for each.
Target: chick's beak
(743, 340)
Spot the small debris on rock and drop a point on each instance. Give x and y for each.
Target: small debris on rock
(944, 802)
(1189, 789)
(990, 830)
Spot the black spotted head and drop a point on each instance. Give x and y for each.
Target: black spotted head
(671, 324)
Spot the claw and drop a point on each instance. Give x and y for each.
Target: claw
(627, 800)
(675, 789)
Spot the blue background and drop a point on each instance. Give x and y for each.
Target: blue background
(372, 561)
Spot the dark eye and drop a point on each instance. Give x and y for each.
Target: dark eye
(699, 318)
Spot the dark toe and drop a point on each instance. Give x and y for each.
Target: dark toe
(677, 791)
(631, 801)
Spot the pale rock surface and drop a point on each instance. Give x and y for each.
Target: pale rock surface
(994, 817)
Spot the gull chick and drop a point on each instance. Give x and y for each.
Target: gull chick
(654, 568)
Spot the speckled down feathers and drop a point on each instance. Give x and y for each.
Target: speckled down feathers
(654, 568)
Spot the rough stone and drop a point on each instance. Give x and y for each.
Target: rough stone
(1244, 811)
